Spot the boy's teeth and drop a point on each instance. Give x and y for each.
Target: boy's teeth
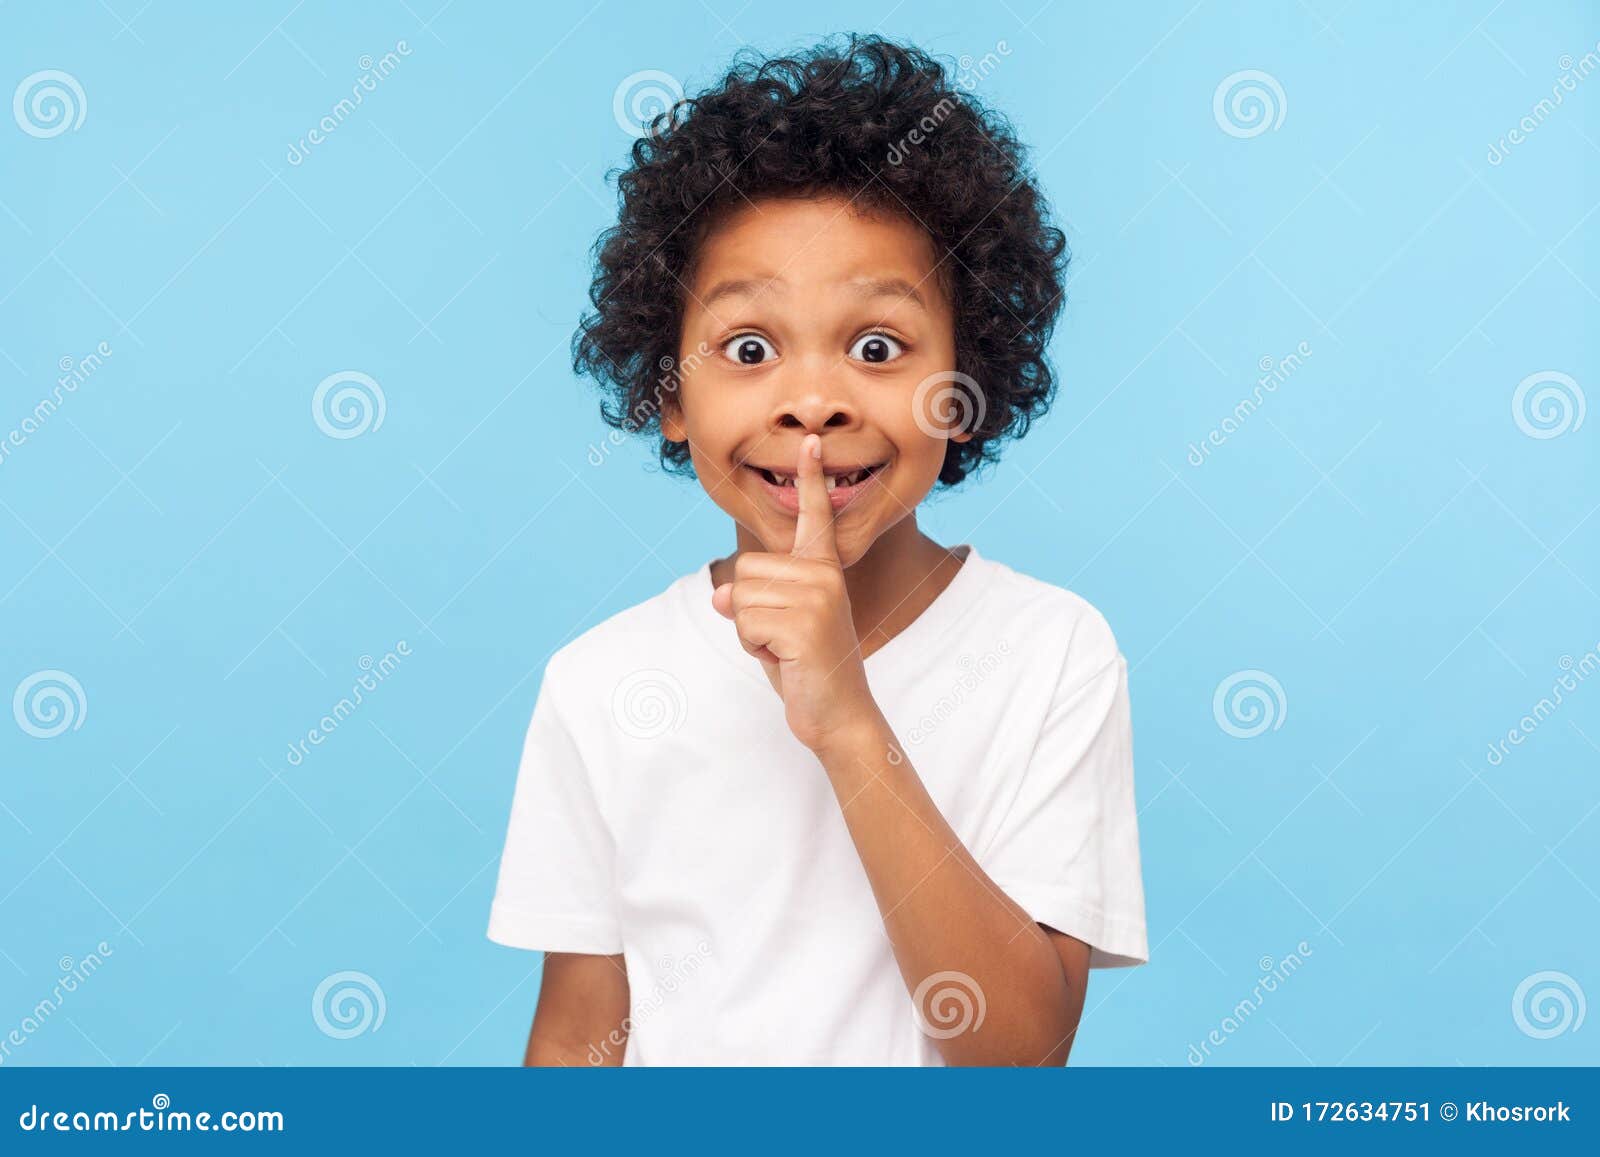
(832, 480)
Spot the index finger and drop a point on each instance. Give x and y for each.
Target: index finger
(813, 532)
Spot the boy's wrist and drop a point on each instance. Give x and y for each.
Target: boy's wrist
(863, 735)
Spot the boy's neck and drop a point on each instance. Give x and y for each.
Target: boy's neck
(890, 586)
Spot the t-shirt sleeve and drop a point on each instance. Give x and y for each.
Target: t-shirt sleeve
(555, 890)
(1068, 851)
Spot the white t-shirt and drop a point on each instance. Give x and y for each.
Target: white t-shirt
(663, 810)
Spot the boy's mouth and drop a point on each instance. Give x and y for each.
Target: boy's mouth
(843, 485)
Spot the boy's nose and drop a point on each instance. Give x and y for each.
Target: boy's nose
(814, 406)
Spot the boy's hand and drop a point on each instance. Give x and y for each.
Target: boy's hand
(792, 612)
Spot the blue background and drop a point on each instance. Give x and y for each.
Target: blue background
(1382, 536)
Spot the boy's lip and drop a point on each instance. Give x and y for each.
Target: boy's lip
(787, 498)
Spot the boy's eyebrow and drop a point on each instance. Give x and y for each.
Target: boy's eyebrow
(868, 287)
(741, 287)
(864, 287)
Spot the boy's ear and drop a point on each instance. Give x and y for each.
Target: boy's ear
(672, 428)
(667, 400)
(966, 407)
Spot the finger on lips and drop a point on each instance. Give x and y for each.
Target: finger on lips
(758, 575)
(813, 529)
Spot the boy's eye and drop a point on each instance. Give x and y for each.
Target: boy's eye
(749, 349)
(876, 347)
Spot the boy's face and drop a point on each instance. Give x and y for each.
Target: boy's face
(803, 317)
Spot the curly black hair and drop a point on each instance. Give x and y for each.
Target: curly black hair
(883, 124)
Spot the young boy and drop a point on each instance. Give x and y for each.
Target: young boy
(845, 796)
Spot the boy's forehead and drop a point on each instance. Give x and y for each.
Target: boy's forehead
(780, 246)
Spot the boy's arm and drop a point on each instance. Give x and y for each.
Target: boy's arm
(581, 1020)
(963, 945)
